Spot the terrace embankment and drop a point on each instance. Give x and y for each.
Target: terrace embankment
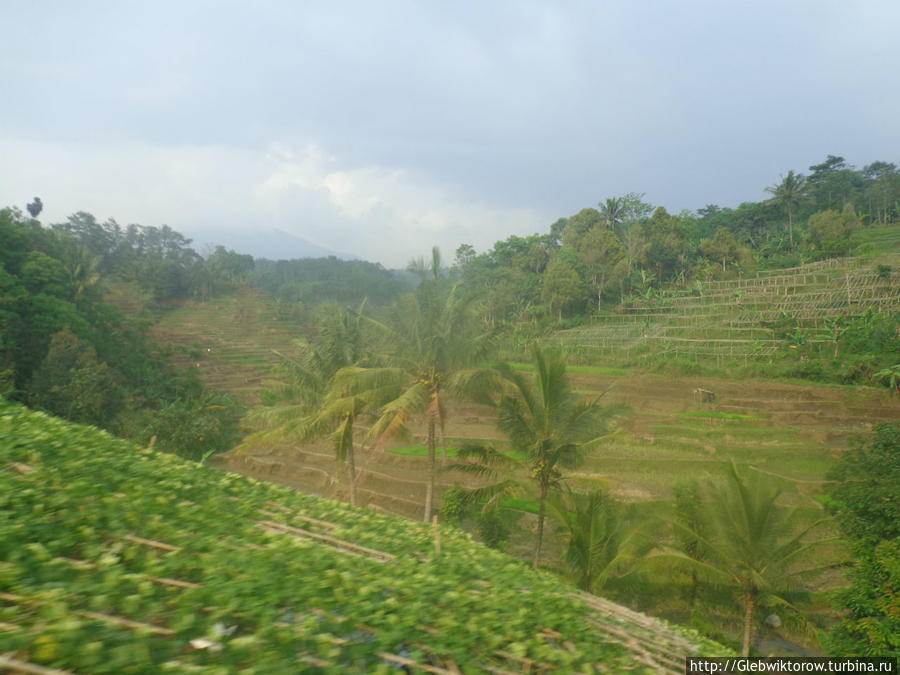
(667, 433)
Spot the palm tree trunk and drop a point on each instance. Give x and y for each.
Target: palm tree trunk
(790, 225)
(540, 532)
(351, 470)
(692, 593)
(429, 488)
(749, 606)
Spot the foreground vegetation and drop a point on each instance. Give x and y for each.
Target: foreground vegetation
(120, 559)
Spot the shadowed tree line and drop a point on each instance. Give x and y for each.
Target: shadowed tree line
(66, 350)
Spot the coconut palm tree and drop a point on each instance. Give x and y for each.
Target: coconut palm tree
(790, 192)
(550, 425)
(612, 211)
(549, 428)
(750, 544)
(308, 371)
(432, 345)
(313, 400)
(347, 399)
(603, 541)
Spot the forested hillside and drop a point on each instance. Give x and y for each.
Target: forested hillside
(627, 248)
(79, 297)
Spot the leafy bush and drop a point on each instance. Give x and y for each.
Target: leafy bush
(454, 507)
(76, 497)
(195, 427)
(864, 501)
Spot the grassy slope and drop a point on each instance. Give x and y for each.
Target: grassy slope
(95, 531)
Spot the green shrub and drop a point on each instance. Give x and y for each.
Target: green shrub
(454, 508)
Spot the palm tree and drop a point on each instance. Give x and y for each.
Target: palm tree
(603, 543)
(433, 345)
(82, 268)
(790, 192)
(307, 372)
(550, 425)
(750, 544)
(314, 400)
(348, 397)
(612, 211)
(691, 529)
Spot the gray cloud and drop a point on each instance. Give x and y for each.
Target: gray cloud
(401, 124)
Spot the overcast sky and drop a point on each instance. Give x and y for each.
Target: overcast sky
(383, 128)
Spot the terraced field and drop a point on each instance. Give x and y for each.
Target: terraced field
(667, 434)
(734, 319)
(230, 341)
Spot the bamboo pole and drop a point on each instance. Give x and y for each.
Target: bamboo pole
(437, 536)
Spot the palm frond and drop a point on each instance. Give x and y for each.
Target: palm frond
(342, 439)
(491, 495)
(357, 380)
(482, 460)
(395, 415)
(477, 384)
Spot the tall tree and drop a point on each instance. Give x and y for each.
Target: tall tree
(433, 343)
(830, 231)
(663, 245)
(549, 424)
(348, 398)
(612, 211)
(72, 383)
(834, 183)
(603, 255)
(314, 400)
(883, 193)
(790, 192)
(563, 289)
(750, 544)
(35, 207)
(722, 247)
(579, 225)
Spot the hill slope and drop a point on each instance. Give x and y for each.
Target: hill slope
(736, 319)
(123, 560)
(231, 340)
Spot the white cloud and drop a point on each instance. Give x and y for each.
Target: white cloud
(380, 213)
(393, 214)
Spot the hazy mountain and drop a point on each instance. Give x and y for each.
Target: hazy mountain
(272, 244)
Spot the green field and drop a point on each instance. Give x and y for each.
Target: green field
(120, 559)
